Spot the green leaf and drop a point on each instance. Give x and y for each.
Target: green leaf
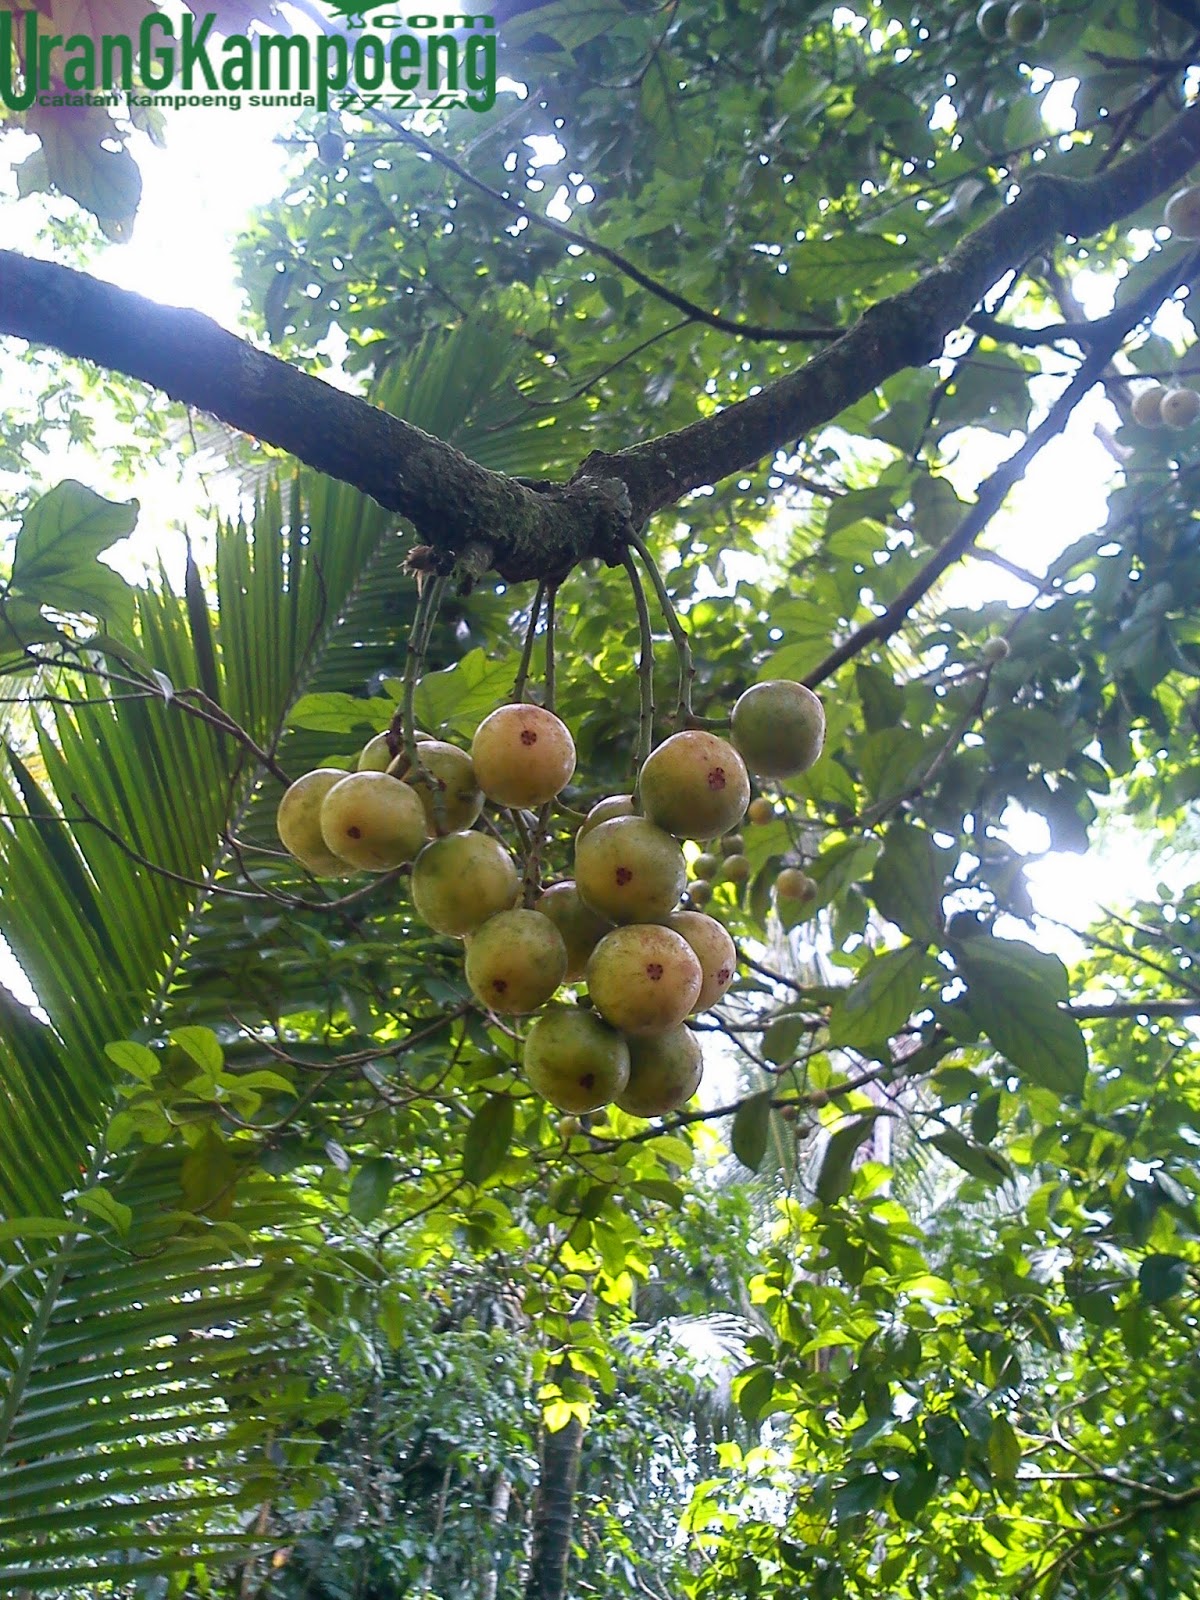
(370, 1189)
(860, 1494)
(881, 999)
(202, 1046)
(135, 1059)
(488, 1138)
(914, 1489)
(34, 1228)
(208, 1177)
(907, 882)
(974, 1159)
(332, 712)
(751, 1128)
(1004, 1450)
(100, 1203)
(837, 1164)
(459, 698)
(946, 1443)
(1013, 993)
(54, 561)
(1162, 1277)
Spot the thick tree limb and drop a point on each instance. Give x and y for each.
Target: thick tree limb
(544, 531)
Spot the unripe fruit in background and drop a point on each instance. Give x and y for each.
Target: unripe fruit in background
(995, 650)
(732, 844)
(1182, 212)
(699, 892)
(575, 1060)
(792, 884)
(523, 754)
(1146, 409)
(694, 785)
(331, 148)
(1026, 22)
(372, 821)
(458, 882)
(298, 821)
(453, 800)
(1180, 408)
(606, 810)
(991, 18)
(736, 869)
(779, 726)
(629, 870)
(664, 1073)
(377, 755)
(581, 928)
(515, 961)
(760, 811)
(714, 951)
(644, 978)
(706, 865)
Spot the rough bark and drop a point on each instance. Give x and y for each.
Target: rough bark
(455, 503)
(554, 1512)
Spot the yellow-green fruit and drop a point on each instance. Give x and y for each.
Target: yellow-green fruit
(732, 844)
(664, 1073)
(575, 1060)
(582, 928)
(736, 869)
(760, 811)
(298, 821)
(453, 800)
(990, 20)
(644, 978)
(1146, 409)
(694, 785)
(995, 650)
(614, 805)
(372, 821)
(523, 755)
(515, 961)
(377, 754)
(699, 892)
(779, 727)
(461, 880)
(792, 884)
(714, 950)
(1180, 408)
(1025, 22)
(629, 870)
(1182, 212)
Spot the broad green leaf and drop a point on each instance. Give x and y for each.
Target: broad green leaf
(1003, 1449)
(459, 698)
(61, 535)
(208, 1177)
(488, 1137)
(135, 1059)
(837, 1163)
(100, 1203)
(1162, 1277)
(331, 712)
(202, 1046)
(1013, 993)
(881, 999)
(751, 1129)
(914, 1489)
(907, 882)
(975, 1159)
(370, 1188)
(946, 1443)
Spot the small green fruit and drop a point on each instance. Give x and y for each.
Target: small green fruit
(1182, 212)
(1146, 409)
(990, 20)
(736, 869)
(732, 844)
(1026, 22)
(997, 649)
(792, 884)
(298, 822)
(779, 726)
(1180, 408)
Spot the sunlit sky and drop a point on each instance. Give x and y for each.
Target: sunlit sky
(219, 165)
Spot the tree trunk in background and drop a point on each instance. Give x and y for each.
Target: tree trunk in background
(554, 1512)
(501, 1495)
(554, 1508)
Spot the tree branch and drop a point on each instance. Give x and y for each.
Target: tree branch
(545, 531)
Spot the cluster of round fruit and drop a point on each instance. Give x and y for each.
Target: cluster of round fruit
(1160, 407)
(1021, 22)
(616, 924)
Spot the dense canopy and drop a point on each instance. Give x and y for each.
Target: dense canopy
(714, 353)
